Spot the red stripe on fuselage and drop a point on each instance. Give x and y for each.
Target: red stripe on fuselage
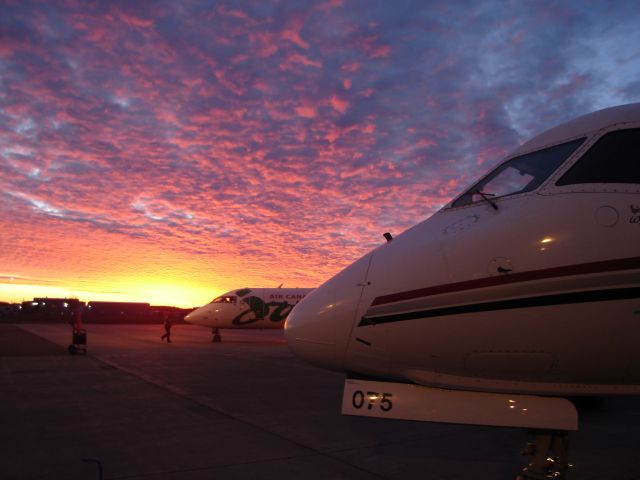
(620, 264)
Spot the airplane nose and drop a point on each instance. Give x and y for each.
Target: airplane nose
(318, 328)
(195, 317)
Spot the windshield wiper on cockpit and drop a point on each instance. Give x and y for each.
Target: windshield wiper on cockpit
(485, 197)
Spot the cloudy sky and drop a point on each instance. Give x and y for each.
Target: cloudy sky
(168, 151)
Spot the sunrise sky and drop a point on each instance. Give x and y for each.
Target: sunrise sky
(168, 151)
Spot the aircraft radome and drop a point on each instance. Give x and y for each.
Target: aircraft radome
(521, 291)
(247, 308)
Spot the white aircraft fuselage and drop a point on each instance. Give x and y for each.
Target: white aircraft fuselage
(248, 308)
(528, 282)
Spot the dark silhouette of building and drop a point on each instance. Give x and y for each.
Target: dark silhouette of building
(132, 312)
(49, 309)
(9, 311)
(118, 312)
(62, 310)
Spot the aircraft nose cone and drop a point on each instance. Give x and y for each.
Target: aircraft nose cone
(318, 328)
(310, 331)
(196, 317)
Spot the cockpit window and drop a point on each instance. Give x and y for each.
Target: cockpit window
(225, 299)
(520, 174)
(615, 158)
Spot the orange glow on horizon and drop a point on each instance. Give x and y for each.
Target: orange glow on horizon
(152, 292)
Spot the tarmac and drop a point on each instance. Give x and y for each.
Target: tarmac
(245, 408)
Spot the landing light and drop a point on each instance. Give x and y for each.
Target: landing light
(546, 240)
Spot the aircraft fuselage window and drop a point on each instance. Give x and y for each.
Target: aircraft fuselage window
(615, 158)
(520, 174)
(225, 299)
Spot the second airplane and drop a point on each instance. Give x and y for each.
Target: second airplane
(248, 308)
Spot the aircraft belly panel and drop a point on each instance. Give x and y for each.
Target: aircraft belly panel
(509, 364)
(544, 345)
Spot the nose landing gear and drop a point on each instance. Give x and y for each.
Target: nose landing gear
(549, 450)
(217, 338)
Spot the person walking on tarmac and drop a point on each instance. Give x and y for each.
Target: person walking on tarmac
(167, 329)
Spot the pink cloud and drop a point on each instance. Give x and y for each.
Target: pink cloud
(224, 10)
(369, 128)
(331, 4)
(380, 51)
(306, 111)
(264, 44)
(371, 46)
(297, 58)
(339, 104)
(292, 33)
(232, 85)
(350, 67)
(134, 21)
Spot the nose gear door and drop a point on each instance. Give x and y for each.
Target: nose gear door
(366, 351)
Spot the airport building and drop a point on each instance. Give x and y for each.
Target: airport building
(9, 310)
(49, 309)
(62, 310)
(118, 312)
(131, 312)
